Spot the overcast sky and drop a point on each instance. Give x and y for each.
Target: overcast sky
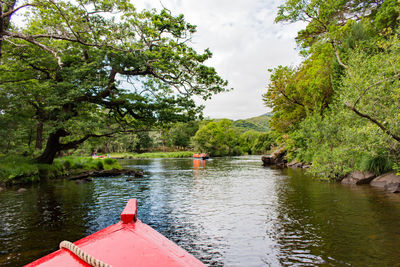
(245, 43)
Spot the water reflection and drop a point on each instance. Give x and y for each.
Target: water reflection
(227, 212)
(331, 224)
(34, 222)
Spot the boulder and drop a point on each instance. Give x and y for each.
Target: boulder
(1, 189)
(21, 190)
(389, 181)
(267, 160)
(358, 177)
(276, 158)
(295, 164)
(394, 188)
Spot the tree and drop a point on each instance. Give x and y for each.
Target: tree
(336, 23)
(295, 92)
(85, 64)
(358, 127)
(372, 91)
(248, 140)
(218, 139)
(180, 133)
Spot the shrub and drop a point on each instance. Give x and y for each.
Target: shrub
(377, 164)
(68, 164)
(100, 165)
(109, 161)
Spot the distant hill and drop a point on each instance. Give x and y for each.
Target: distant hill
(259, 123)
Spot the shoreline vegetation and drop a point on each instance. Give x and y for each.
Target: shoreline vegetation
(23, 170)
(18, 170)
(152, 155)
(373, 173)
(338, 110)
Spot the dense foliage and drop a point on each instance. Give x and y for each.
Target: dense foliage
(222, 138)
(76, 70)
(339, 109)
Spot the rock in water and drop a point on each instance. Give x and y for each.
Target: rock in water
(267, 160)
(276, 158)
(21, 190)
(394, 188)
(358, 177)
(389, 181)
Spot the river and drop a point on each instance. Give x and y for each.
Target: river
(225, 211)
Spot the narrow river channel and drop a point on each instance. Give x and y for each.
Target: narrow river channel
(225, 211)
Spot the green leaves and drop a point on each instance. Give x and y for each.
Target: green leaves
(85, 64)
(341, 105)
(218, 139)
(293, 93)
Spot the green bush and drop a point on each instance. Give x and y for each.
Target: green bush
(109, 161)
(68, 164)
(377, 164)
(100, 165)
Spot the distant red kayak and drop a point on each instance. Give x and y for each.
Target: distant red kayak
(127, 243)
(201, 156)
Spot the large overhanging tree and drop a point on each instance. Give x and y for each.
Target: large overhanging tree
(371, 74)
(93, 68)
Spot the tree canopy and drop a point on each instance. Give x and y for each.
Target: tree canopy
(82, 69)
(339, 109)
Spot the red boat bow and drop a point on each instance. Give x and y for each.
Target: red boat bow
(127, 243)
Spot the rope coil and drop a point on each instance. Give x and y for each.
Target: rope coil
(92, 261)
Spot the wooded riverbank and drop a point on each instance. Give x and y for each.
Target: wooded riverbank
(389, 181)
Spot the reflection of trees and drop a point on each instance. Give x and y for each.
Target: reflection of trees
(323, 222)
(44, 216)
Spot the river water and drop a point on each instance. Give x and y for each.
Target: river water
(225, 211)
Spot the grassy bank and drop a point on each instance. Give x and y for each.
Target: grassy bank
(18, 169)
(153, 155)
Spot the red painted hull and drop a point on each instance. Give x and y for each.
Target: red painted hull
(127, 243)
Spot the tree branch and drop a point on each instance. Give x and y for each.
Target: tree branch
(338, 57)
(10, 12)
(31, 40)
(294, 101)
(74, 144)
(380, 125)
(372, 85)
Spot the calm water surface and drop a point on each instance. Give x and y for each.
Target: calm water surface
(226, 212)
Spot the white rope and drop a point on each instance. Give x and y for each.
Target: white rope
(92, 261)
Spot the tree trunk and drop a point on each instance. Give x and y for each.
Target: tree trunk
(39, 135)
(52, 147)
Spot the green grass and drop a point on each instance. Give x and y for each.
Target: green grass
(18, 169)
(377, 164)
(152, 155)
(87, 163)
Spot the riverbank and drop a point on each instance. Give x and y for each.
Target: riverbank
(152, 155)
(23, 170)
(389, 180)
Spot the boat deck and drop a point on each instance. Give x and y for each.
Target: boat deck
(127, 243)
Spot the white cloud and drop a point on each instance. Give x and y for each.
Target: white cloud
(245, 42)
